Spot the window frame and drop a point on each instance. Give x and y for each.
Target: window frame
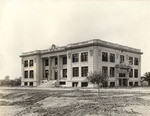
(84, 71)
(105, 56)
(75, 57)
(84, 56)
(75, 71)
(112, 57)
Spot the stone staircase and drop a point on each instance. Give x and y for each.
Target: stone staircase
(48, 83)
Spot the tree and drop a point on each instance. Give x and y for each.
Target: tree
(147, 77)
(98, 78)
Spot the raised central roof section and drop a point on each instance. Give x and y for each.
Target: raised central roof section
(94, 42)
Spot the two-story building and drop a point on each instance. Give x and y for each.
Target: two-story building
(69, 65)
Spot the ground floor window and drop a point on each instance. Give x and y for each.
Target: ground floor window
(112, 84)
(62, 83)
(131, 83)
(74, 84)
(25, 83)
(136, 84)
(31, 84)
(84, 71)
(84, 84)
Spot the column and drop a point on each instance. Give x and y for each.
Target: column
(58, 66)
(49, 77)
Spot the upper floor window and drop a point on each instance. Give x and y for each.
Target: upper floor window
(31, 62)
(136, 61)
(104, 56)
(112, 57)
(26, 63)
(65, 60)
(56, 61)
(121, 58)
(84, 56)
(31, 74)
(84, 71)
(112, 72)
(64, 72)
(131, 73)
(46, 62)
(25, 74)
(135, 73)
(75, 71)
(75, 57)
(105, 70)
(130, 60)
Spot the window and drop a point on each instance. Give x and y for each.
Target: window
(104, 56)
(112, 84)
(26, 63)
(65, 60)
(122, 75)
(25, 74)
(135, 73)
(84, 71)
(112, 71)
(121, 58)
(62, 83)
(112, 57)
(75, 57)
(31, 84)
(75, 71)
(56, 61)
(136, 62)
(25, 83)
(131, 73)
(46, 73)
(64, 72)
(131, 83)
(74, 84)
(84, 84)
(130, 60)
(31, 62)
(136, 84)
(105, 70)
(46, 62)
(84, 56)
(31, 74)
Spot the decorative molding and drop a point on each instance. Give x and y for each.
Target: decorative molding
(99, 52)
(53, 47)
(91, 52)
(117, 56)
(69, 55)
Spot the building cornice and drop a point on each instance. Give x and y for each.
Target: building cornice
(94, 42)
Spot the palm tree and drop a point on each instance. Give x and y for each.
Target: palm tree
(147, 77)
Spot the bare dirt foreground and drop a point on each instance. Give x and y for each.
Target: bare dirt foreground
(74, 102)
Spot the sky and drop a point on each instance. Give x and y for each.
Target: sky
(27, 25)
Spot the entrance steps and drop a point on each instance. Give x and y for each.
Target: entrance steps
(48, 83)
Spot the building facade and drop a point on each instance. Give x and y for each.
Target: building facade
(69, 65)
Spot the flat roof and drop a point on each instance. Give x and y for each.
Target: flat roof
(94, 42)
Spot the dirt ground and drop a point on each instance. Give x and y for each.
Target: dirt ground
(74, 102)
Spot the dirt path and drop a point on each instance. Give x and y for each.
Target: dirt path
(73, 102)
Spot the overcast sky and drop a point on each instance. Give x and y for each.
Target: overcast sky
(27, 25)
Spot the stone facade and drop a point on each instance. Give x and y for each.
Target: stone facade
(69, 65)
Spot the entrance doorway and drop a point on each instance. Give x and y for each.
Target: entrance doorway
(123, 82)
